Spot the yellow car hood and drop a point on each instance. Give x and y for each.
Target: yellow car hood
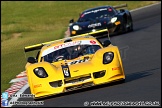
(78, 66)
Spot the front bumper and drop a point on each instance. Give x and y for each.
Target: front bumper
(112, 28)
(78, 82)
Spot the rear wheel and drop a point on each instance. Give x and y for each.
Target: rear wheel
(127, 25)
(124, 26)
(131, 22)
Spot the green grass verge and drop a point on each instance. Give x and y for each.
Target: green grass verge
(24, 23)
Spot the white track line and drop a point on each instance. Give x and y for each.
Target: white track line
(26, 86)
(145, 7)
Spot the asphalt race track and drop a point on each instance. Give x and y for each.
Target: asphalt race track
(141, 54)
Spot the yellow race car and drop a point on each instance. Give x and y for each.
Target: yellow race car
(72, 63)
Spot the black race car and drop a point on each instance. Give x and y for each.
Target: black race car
(116, 21)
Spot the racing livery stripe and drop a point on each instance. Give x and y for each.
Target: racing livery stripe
(78, 61)
(68, 44)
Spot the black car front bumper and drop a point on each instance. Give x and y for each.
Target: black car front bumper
(113, 28)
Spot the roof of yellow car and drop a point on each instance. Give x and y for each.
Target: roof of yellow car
(61, 41)
(74, 38)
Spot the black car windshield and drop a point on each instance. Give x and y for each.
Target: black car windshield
(71, 52)
(96, 14)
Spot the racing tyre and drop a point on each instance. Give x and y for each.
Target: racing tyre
(124, 26)
(131, 21)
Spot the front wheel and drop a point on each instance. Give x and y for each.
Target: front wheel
(124, 26)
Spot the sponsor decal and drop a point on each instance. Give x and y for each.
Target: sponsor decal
(95, 11)
(93, 42)
(94, 25)
(115, 68)
(67, 44)
(38, 85)
(78, 61)
(64, 45)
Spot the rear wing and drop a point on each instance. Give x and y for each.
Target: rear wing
(120, 6)
(95, 33)
(39, 46)
(36, 47)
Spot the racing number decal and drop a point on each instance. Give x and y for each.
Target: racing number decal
(66, 71)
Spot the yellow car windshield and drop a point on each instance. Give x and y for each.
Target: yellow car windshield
(70, 53)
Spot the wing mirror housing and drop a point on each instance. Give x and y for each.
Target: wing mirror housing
(106, 43)
(31, 60)
(71, 21)
(122, 10)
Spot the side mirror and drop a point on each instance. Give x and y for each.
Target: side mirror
(122, 10)
(31, 60)
(106, 43)
(71, 21)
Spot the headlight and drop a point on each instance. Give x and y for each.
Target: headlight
(108, 57)
(113, 19)
(40, 72)
(76, 27)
